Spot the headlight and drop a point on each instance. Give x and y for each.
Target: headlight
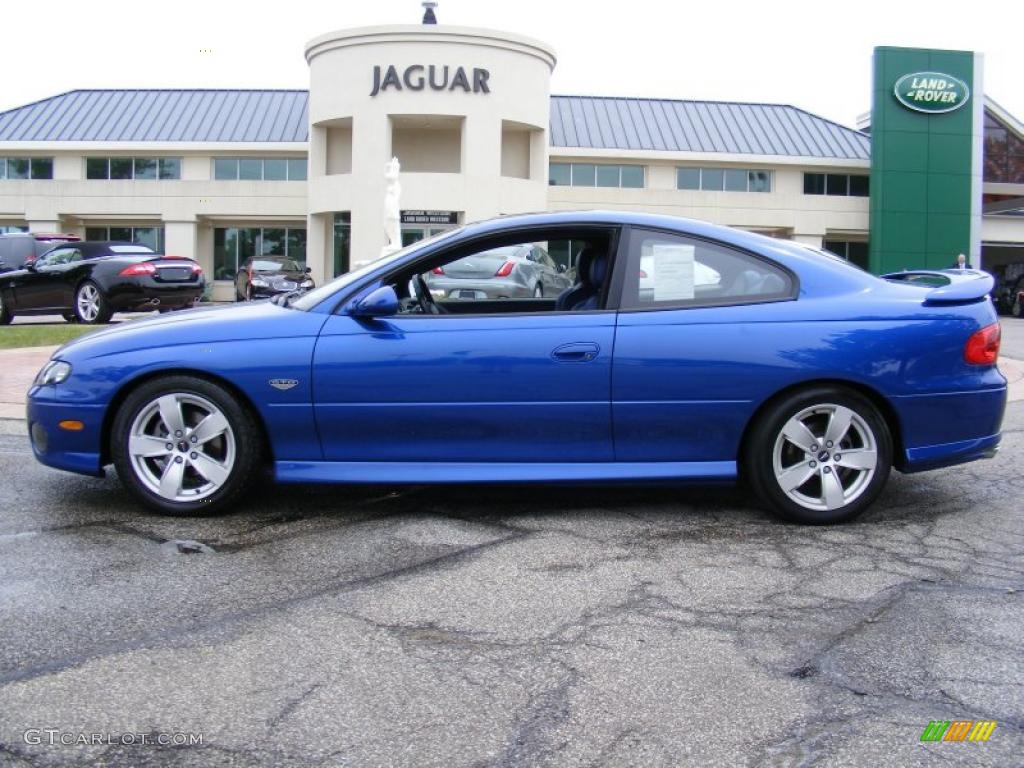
(260, 282)
(54, 372)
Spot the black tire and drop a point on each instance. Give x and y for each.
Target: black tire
(103, 311)
(5, 311)
(538, 291)
(237, 450)
(768, 455)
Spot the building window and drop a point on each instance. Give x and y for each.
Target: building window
(724, 179)
(1003, 152)
(138, 168)
(594, 175)
(342, 242)
(836, 184)
(259, 168)
(26, 167)
(854, 251)
(233, 245)
(12, 229)
(152, 237)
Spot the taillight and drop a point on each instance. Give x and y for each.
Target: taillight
(983, 346)
(643, 275)
(505, 270)
(136, 270)
(437, 271)
(196, 269)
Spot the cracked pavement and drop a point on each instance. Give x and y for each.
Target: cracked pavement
(489, 626)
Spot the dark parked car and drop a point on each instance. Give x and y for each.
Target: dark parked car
(1009, 297)
(265, 276)
(20, 248)
(790, 368)
(515, 272)
(88, 281)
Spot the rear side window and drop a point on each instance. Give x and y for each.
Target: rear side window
(667, 271)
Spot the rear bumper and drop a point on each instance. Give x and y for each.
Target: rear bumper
(950, 428)
(948, 454)
(151, 294)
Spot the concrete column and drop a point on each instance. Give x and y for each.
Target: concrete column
(813, 240)
(180, 240)
(320, 246)
(44, 225)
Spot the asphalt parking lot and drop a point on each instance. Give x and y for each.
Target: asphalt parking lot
(507, 627)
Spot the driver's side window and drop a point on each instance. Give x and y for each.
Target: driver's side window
(543, 271)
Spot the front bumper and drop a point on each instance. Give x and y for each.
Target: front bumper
(78, 451)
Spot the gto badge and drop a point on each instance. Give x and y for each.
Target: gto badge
(283, 384)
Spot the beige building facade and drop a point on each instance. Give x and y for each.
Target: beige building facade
(224, 175)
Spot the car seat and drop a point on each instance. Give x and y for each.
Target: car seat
(591, 269)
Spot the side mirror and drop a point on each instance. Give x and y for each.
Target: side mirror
(308, 270)
(379, 303)
(562, 268)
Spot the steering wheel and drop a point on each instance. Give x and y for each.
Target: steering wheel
(424, 297)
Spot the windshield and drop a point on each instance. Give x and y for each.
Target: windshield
(284, 265)
(310, 299)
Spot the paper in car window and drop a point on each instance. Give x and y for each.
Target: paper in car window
(673, 270)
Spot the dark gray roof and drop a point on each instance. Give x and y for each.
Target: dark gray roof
(161, 115)
(598, 122)
(590, 122)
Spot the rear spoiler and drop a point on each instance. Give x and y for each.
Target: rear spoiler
(949, 286)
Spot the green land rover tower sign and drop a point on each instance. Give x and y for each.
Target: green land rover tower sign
(931, 92)
(926, 144)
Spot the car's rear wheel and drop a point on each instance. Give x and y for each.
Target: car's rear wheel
(185, 446)
(819, 456)
(5, 311)
(90, 305)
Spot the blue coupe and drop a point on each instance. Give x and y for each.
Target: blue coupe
(683, 351)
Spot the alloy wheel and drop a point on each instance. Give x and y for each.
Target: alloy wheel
(825, 457)
(88, 302)
(182, 447)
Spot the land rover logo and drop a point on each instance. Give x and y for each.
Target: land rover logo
(931, 92)
(436, 77)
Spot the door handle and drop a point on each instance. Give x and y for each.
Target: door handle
(576, 352)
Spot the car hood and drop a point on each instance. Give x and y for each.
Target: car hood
(231, 322)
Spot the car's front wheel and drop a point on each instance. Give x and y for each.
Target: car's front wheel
(185, 446)
(819, 456)
(90, 305)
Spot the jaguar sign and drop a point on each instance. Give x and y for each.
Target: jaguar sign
(417, 77)
(931, 92)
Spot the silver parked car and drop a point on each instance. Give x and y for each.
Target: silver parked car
(510, 272)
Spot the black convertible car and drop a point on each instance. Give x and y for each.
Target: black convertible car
(88, 281)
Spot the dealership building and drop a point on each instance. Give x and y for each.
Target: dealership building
(936, 169)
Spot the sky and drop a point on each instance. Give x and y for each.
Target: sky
(814, 55)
